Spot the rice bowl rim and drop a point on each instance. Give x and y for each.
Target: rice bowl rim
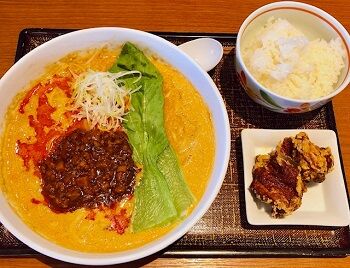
(309, 10)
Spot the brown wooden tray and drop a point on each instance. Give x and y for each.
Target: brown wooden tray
(224, 230)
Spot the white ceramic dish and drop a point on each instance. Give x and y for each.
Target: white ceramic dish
(32, 65)
(324, 204)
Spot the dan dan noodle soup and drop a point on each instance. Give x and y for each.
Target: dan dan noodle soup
(108, 150)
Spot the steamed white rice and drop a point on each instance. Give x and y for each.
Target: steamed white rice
(285, 61)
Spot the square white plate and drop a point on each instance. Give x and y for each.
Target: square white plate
(324, 204)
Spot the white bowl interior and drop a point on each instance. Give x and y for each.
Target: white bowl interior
(313, 22)
(33, 64)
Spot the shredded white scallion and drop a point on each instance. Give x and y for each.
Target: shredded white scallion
(102, 97)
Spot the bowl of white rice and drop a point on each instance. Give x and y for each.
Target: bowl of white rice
(292, 57)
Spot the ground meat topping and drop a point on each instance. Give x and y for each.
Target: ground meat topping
(88, 169)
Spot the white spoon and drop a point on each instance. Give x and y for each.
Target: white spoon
(207, 52)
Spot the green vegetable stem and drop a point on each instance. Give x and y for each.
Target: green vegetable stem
(162, 195)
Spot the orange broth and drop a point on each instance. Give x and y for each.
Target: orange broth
(188, 126)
